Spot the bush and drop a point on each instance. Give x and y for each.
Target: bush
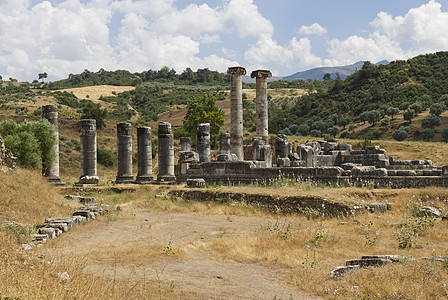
(316, 133)
(31, 142)
(400, 134)
(445, 135)
(106, 157)
(431, 121)
(428, 134)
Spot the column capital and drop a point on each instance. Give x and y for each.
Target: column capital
(236, 71)
(261, 73)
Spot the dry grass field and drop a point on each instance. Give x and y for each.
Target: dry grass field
(154, 246)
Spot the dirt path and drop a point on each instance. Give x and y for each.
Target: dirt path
(167, 249)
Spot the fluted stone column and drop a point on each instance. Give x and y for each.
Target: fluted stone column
(124, 150)
(185, 144)
(88, 152)
(262, 102)
(203, 139)
(166, 153)
(144, 155)
(50, 112)
(236, 111)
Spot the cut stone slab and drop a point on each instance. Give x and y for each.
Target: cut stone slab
(340, 271)
(429, 211)
(393, 258)
(368, 262)
(85, 213)
(61, 226)
(50, 232)
(41, 238)
(196, 183)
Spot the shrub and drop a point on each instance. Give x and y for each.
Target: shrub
(316, 133)
(428, 134)
(400, 134)
(431, 121)
(106, 157)
(31, 142)
(445, 135)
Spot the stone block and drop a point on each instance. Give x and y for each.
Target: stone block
(40, 238)
(50, 232)
(429, 211)
(283, 162)
(368, 262)
(445, 171)
(306, 154)
(227, 157)
(368, 171)
(393, 258)
(85, 213)
(196, 183)
(339, 272)
(345, 147)
(188, 157)
(349, 166)
(59, 225)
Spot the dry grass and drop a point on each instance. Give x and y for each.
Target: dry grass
(27, 197)
(95, 92)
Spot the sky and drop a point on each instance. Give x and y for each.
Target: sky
(60, 37)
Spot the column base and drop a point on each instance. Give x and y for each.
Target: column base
(85, 181)
(144, 180)
(55, 181)
(166, 179)
(124, 179)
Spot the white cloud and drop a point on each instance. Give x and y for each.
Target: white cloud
(247, 19)
(421, 30)
(315, 28)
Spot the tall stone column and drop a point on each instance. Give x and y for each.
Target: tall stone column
(88, 153)
(50, 112)
(203, 139)
(124, 150)
(262, 102)
(166, 153)
(144, 155)
(236, 111)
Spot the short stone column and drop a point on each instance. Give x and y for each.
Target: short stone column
(144, 155)
(50, 112)
(124, 151)
(262, 153)
(88, 153)
(224, 148)
(282, 150)
(185, 144)
(203, 140)
(262, 102)
(166, 153)
(236, 111)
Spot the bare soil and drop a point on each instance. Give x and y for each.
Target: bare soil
(167, 250)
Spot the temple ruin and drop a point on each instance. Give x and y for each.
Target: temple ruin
(326, 161)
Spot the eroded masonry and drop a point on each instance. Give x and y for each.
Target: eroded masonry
(267, 160)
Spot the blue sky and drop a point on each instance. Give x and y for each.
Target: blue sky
(67, 36)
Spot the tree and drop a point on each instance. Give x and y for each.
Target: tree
(445, 135)
(31, 142)
(327, 76)
(43, 76)
(90, 110)
(1, 78)
(343, 121)
(392, 111)
(431, 121)
(437, 108)
(364, 116)
(385, 122)
(400, 134)
(203, 110)
(417, 107)
(428, 134)
(408, 115)
(373, 117)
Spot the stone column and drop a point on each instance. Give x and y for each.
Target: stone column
(88, 153)
(124, 151)
(236, 111)
(50, 112)
(224, 143)
(203, 139)
(262, 102)
(144, 155)
(185, 144)
(166, 153)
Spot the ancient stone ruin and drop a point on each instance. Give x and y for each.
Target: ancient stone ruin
(326, 161)
(7, 159)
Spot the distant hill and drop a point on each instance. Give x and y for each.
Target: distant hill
(318, 73)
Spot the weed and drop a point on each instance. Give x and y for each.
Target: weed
(168, 249)
(310, 263)
(409, 231)
(280, 228)
(370, 239)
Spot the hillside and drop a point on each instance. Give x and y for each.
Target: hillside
(318, 73)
